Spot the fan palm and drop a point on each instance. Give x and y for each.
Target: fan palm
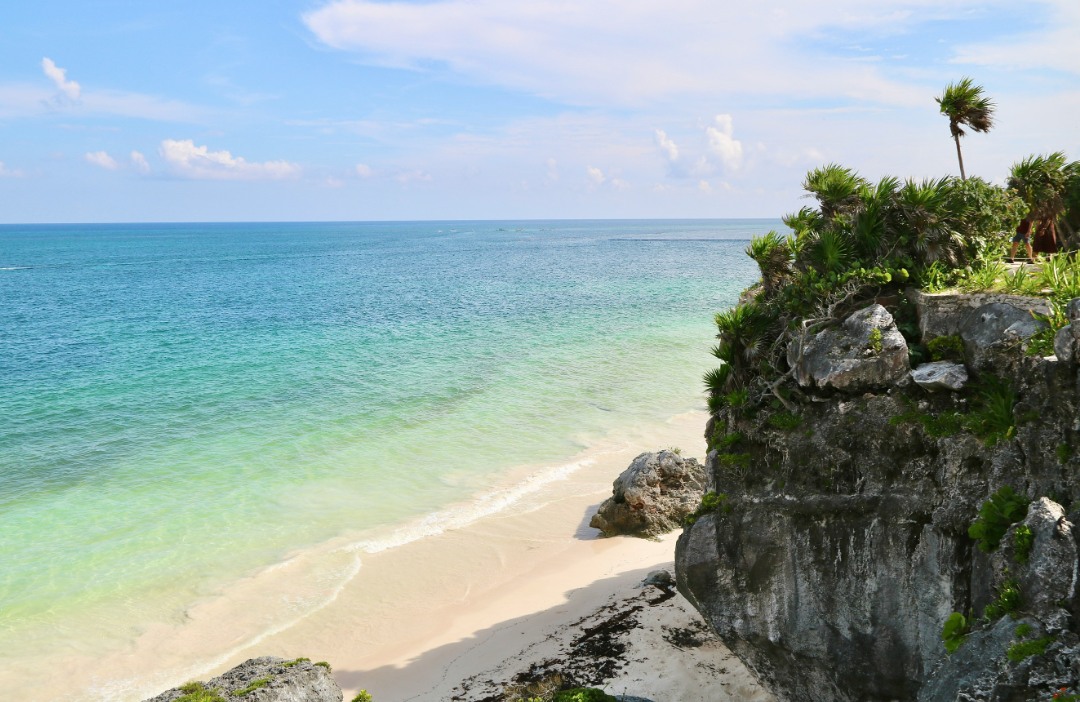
(964, 104)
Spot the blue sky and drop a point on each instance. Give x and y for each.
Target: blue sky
(490, 109)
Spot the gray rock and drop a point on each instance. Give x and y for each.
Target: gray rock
(845, 358)
(659, 578)
(285, 681)
(1065, 343)
(652, 496)
(941, 314)
(940, 375)
(843, 552)
(1072, 311)
(993, 329)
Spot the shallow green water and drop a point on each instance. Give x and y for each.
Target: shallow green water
(184, 403)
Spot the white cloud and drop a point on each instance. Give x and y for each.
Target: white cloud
(723, 144)
(596, 176)
(670, 149)
(102, 160)
(363, 170)
(332, 182)
(58, 75)
(139, 162)
(6, 172)
(412, 176)
(611, 51)
(200, 163)
(552, 170)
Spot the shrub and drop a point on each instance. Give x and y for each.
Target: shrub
(992, 420)
(1023, 630)
(785, 421)
(1023, 540)
(954, 632)
(710, 502)
(198, 692)
(997, 514)
(1026, 649)
(874, 344)
(1009, 600)
(946, 348)
(362, 696)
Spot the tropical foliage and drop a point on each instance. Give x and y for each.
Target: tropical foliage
(965, 104)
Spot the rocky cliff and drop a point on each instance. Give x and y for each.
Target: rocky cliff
(838, 545)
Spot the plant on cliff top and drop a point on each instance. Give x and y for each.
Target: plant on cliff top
(965, 104)
(1003, 509)
(954, 632)
(362, 696)
(198, 692)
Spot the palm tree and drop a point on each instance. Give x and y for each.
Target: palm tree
(964, 104)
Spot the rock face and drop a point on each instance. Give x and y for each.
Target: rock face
(940, 375)
(266, 679)
(866, 352)
(994, 329)
(844, 547)
(652, 496)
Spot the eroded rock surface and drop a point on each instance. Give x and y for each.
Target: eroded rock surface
(843, 544)
(866, 352)
(267, 679)
(652, 496)
(940, 375)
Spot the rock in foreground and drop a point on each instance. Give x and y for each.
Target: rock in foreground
(652, 496)
(265, 679)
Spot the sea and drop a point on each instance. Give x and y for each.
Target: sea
(182, 405)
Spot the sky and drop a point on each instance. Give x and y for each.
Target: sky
(160, 110)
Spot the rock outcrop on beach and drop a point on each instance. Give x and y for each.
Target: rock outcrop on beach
(839, 547)
(265, 679)
(652, 496)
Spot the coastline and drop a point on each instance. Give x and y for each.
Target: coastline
(394, 620)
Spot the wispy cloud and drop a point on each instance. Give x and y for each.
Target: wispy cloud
(102, 159)
(6, 172)
(69, 88)
(610, 51)
(723, 144)
(200, 163)
(139, 162)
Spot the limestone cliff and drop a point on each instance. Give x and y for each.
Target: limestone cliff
(840, 547)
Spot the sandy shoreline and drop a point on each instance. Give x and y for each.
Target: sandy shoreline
(413, 621)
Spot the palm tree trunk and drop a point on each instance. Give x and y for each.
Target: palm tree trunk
(959, 157)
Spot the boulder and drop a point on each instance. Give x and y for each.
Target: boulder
(940, 375)
(265, 679)
(1067, 339)
(989, 330)
(652, 496)
(853, 357)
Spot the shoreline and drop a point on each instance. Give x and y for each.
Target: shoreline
(381, 616)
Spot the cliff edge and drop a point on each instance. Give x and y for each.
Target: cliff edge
(836, 555)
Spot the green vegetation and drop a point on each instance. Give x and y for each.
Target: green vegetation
(1023, 630)
(946, 348)
(1023, 540)
(939, 425)
(874, 344)
(324, 664)
(1009, 600)
(198, 692)
(583, 694)
(710, 502)
(1064, 452)
(362, 696)
(253, 686)
(290, 664)
(992, 419)
(1026, 649)
(965, 104)
(997, 514)
(784, 421)
(954, 632)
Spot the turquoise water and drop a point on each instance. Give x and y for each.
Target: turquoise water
(184, 403)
